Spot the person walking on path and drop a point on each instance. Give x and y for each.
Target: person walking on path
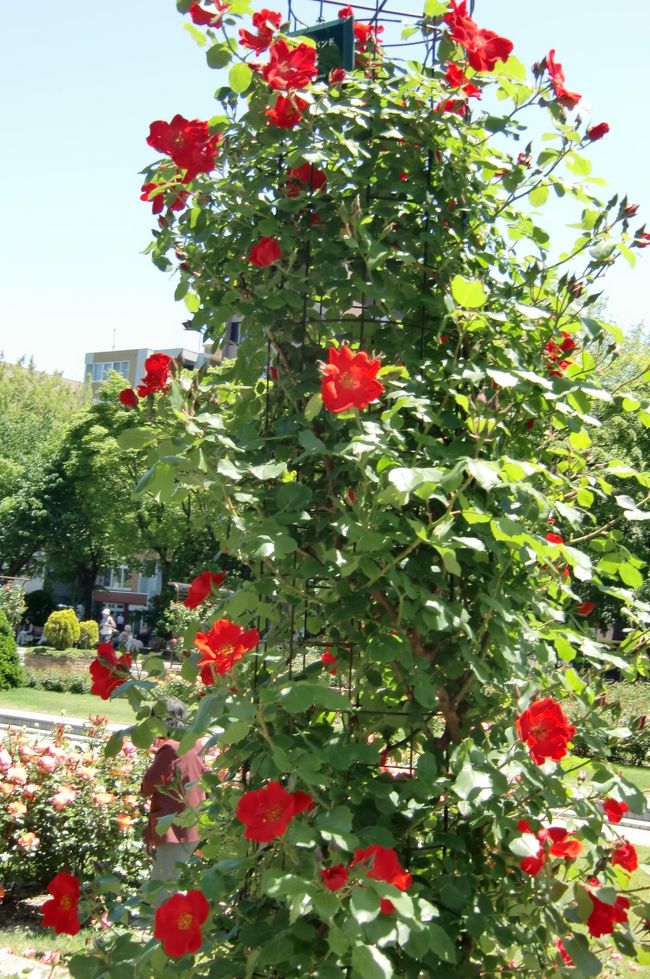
(173, 784)
(106, 626)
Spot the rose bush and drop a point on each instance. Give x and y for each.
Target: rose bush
(66, 805)
(401, 451)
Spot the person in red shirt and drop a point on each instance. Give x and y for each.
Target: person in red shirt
(173, 782)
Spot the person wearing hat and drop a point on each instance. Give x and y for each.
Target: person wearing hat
(106, 626)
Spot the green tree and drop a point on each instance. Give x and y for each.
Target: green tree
(35, 411)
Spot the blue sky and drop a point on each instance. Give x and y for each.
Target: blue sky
(81, 83)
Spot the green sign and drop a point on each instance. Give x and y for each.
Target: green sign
(335, 44)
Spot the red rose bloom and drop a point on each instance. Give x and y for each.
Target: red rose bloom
(564, 955)
(307, 178)
(350, 380)
(109, 671)
(642, 239)
(555, 538)
(222, 647)
(484, 48)
(556, 74)
(364, 33)
(457, 106)
(546, 730)
(625, 856)
(337, 76)
(455, 78)
(630, 210)
(383, 865)
(597, 132)
(158, 375)
(60, 912)
(207, 18)
(386, 906)
(533, 865)
(177, 923)
(334, 878)
(201, 588)
(287, 112)
(328, 659)
(563, 843)
(188, 143)
(267, 812)
(262, 19)
(128, 398)
(265, 252)
(290, 67)
(158, 199)
(346, 12)
(604, 917)
(615, 810)
(585, 608)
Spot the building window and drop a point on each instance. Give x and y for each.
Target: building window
(234, 331)
(100, 371)
(119, 579)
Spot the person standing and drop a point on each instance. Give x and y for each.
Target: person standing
(106, 626)
(173, 784)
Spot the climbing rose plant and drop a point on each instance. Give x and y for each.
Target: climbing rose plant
(400, 455)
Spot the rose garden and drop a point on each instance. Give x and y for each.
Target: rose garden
(405, 704)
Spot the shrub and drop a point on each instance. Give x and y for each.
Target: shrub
(89, 634)
(10, 669)
(12, 603)
(58, 681)
(62, 629)
(81, 830)
(40, 604)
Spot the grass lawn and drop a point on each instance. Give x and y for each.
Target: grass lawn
(638, 776)
(67, 704)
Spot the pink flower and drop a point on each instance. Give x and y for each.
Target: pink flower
(28, 841)
(63, 798)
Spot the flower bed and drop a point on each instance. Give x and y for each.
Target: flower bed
(64, 804)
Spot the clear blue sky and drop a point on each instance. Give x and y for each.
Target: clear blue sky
(82, 81)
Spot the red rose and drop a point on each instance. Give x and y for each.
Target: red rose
(615, 810)
(222, 647)
(334, 878)
(630, 210)
(564, 955)
(563, 844)
(346, 12)
(604, 917)
(533, 865)
(152, 192)
(350, 380)
(625, 856)
(642, 239)
(457, 106)
(555, 538)
(201, 588)
(597, 132)
(556, 74)
(484, 48)
(290, 67)
(524, 826)
(287, 112)
(328, 659)
(158, 375)
(386, 906)
(352, 496)
(382, 864)
(60, 912)
(128, 398)
(109, 671)
(307, 177)
(546, 730)
(207, 18)
(267, 812)
(585, 608)
(265, 252)
(262, 19)
(364, 33)
(337, 76)
(455, 78)
(177, 923)
(188, 143)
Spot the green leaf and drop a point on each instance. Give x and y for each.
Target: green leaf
(440, 942)
(585, 960)
(240, 77)
(629, 574)
(364, 905)
(484, 473)
(435, 8)
(369, 963)
(314, 406)
(134, 438)
(577, 164)
(300, 696)
(472, 784)
(270, 470)
(468, 292)
(218, 56)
